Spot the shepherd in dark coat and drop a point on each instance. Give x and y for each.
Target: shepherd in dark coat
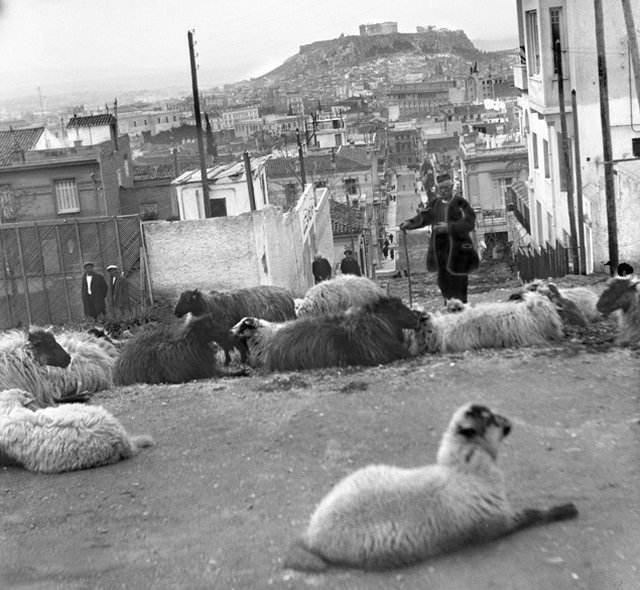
(451, 253)
(94, 292)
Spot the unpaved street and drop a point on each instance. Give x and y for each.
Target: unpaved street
(239, 465)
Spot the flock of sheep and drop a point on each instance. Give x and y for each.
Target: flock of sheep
(345, 321)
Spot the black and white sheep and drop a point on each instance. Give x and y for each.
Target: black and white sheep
(339, 294)
(26, 359)
(66, 438)
(368, 335)
(164, 354)
(229, 307)
(508, 324)
(622, 294)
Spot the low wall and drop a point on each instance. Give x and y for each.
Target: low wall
(265, 247)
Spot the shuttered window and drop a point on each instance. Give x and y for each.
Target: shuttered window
(67, 200)
(7, 203)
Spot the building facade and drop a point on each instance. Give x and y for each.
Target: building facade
(572, 23)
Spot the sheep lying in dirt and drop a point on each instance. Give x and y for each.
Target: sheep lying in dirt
(622, 294)
(578, 304)
(339, 294)
(383, 516)
(26, 360)
(66, 438)
(508, 324)
(368, 335)
(229, 307)
(164, 354)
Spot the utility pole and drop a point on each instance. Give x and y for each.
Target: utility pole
(578, 167)
(633, 44)
(249, 174)
(557, 53)
(607, 150)
(196, 109)
(303, 176)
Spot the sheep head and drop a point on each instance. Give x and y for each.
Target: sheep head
(619, 294)
(473, 425)
(46, 350)
(190, 301)
(246, 328)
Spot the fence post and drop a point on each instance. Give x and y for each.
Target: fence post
(24, 277)
(44, 275)
(64, 274)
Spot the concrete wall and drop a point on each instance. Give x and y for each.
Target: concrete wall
(264, 247)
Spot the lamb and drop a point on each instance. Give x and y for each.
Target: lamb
(382, 516)
(166, 355)
(623, 295)
(368, 335)
(25, 358)
(229, 307)
(339, 294)
(66, 438)
(507, 324)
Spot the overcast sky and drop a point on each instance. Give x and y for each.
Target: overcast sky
(48, 41)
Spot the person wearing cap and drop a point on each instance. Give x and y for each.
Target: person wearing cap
(321, 268)
(118, 290)
(94, 292)
(451, 253)
(349, 265)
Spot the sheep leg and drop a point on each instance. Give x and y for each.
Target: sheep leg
(533, 516)
(300, 557)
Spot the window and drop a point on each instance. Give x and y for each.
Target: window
(556, 35)
(67, 200)
(533, 42)
(534, 144)
(218, 207)
(550, 227)
(539, 222)
(504, 187)
(545, 158)
(351, 186)
(635, 147)
(7, 203)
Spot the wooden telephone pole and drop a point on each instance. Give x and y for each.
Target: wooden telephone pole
(607, 150)
(196, 109)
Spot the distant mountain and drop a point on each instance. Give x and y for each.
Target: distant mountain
(352, 51)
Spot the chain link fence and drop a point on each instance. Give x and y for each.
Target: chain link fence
(41, 266)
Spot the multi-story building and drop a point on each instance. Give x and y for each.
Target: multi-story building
(572, 23)
(135, 123)
(420, 99)
(405, 146)
(231, 116)
(269, 124)
(65, 182)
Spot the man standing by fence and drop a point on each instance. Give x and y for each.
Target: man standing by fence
(94, 292)
(118, 290)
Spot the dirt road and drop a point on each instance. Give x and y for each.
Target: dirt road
(239, 465)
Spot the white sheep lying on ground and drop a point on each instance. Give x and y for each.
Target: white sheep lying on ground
(533, 321)
(582, 298)
(622, 294)
(66, 438)
(339, 294)
(26, 360)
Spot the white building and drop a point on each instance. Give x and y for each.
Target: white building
(228, 190)
(230, 116)
(134, 123)
(573, 23)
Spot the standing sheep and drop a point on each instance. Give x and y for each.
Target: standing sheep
(368, 335)
(66, 438)
(339, 294)
(164, 355)
(623, 295)
(383, 516)
(489, 325)
(25, 358)
(229, 307)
